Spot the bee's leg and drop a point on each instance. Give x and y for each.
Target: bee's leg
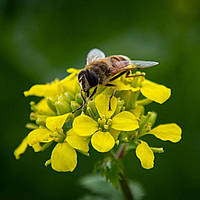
(83, 98)
(133, 75)
(82, 105)
(93, 93)
(113, 93)
(115, 77)
(78, 108)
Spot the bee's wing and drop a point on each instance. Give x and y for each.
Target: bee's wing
(94, 54)
(140, 64)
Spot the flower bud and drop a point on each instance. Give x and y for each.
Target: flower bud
(78, 98)
(41, 120)
(144, 123)
(91, 104)
(62, 106)
(90, 112)
(31, 126)
(33, 106)
(67, 96)
(74, 105)
(152, 118)
(51, 104)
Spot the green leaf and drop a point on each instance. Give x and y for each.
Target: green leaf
(110, 168)
(92, 197)
(99, 189)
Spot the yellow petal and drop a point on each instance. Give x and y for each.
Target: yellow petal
(171, 132)
(39, 135)
(70, 83)
(155, 92)
(76, 141)
(43, 108)
(21, 148)
(145, 154)
(37, 147)
(43, 90)
(73, 70)
(125, 121)
(56, 123)
(84, 125)
(102, 105)
(102, 141)
(63, 158)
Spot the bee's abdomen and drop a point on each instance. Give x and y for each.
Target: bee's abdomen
(116, 61)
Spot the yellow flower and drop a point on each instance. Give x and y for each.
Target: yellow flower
(63, 157)
(42, 108)
(171, 132)
(152, 91)
(44, 90)
(70, 83)
(103, 140)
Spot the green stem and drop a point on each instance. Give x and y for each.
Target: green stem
(143, 102)
(125, 188)
(124, 182)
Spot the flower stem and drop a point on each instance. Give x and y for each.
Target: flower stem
(125, 188)
(124, 182)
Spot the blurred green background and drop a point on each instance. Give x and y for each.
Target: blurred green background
(40, 39)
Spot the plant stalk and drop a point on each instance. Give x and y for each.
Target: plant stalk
(125, 188)
(124, 182)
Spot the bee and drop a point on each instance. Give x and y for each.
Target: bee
(102, 70)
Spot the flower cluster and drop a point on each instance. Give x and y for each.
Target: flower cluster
(126, 122)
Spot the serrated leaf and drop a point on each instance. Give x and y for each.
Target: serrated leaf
(110, 168)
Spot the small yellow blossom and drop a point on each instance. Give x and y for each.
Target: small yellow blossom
(43, 108)
(171, 132)
(63, 157)
(152, 91)
(103, 141)
(70, 83)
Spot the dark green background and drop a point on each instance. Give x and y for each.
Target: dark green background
(40, 39)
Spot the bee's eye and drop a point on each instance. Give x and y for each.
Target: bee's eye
(81, 75)
(89, 77)
(92, 78)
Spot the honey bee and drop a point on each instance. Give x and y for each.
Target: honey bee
(102, 70)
